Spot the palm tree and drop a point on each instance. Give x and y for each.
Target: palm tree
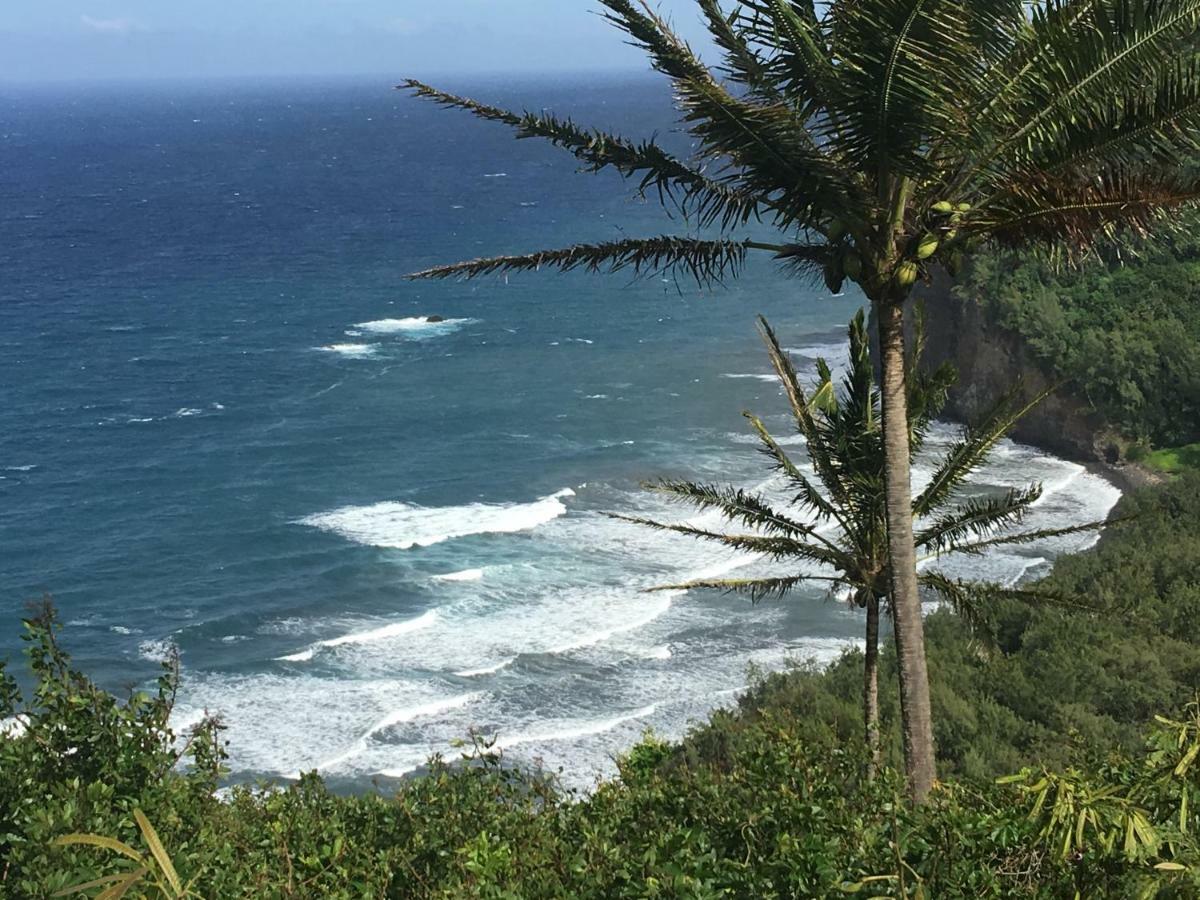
(882, 138)
(834, 528)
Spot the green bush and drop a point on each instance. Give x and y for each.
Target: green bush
(1125, 336)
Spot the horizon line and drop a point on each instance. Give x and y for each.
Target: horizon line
(391, 80)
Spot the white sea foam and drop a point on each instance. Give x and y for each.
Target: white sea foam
(414, 327)
(464, 575)
(1026, 568)
(352, 351)
(750, 375)
(370, 636)
(284, 723)
(28, 468)
(486, 670)
(185, 412)
(831, 352)
(398, 717)
(783, 440)
(402, 526)
(14, 726)
(590, 639)
(576, 730)
(156, 651)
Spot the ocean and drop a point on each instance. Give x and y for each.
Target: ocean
(228, 425)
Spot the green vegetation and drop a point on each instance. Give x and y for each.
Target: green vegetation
(1063, 783)
(1049, 685)
(1174, 459)
(1124, 336)
(836, 535)
(879, 139)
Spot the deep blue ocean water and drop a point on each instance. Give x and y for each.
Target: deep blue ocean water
(226, 424)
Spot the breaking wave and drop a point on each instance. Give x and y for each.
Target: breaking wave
(414, 327)
(352, 351)
(402, 526)
(382, 633)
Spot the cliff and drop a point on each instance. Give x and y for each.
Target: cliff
(990, 360)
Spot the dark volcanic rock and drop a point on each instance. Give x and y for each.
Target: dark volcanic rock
(433, 320)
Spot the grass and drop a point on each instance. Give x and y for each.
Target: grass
(1175, 459)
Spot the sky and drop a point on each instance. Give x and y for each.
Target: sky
(73, 40)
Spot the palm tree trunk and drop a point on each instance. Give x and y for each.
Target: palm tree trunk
(871, 686)
(916, 716)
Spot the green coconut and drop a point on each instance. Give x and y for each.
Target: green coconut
(906, 274)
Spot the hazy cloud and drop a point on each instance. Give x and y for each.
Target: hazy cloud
(111, 26)
(404, 26)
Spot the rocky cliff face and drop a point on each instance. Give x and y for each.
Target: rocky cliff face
(990, 360)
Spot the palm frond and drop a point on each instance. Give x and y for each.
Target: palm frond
(673, 180)
(1147, 125)
(801, 58)
(978, 518)
(808, 496)
(757, 589)
(772, 547)
(1078, 62)
(1124, 42)
(743, 64)
(1025, 537)
(901, 66)
(975, 601)
(968, 453)
(811, 260)
(968, 600)
(707, 261)
(818, 452)
(1071, 212)
(734, 504)
(767, 147)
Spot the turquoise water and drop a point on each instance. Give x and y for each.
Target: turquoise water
(228, 426)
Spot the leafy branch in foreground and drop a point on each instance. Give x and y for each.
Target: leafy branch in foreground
(833, 530)
(158, 871)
